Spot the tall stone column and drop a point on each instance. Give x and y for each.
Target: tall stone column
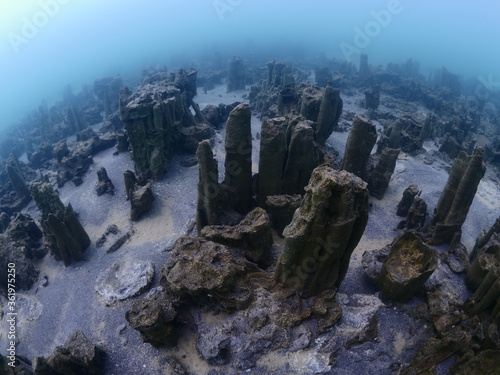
(208, 187)
(238, 163)
(324, 232)
(360, 142)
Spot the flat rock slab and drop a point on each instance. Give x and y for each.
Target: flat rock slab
(124, 280)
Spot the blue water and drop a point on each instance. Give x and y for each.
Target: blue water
(52, 43)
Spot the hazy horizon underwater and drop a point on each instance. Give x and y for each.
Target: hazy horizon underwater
(48, 44)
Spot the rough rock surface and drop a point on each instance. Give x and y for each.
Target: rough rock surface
(362, 138)
(78, 356)
(252, 235)
(62, 231)
(104, 184)
(458, 194)
(208, 187)
(281, 209)
(124, 279)
(409, 264)
(154, 317)
(381, 175)
(201, 270)
(141, 201)
(238, 162)
(324, 232)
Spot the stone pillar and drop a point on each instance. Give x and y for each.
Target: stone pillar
(238, 163)
(360, 142)
(324, 231)
(458, 194)
(63, 232)
(372, 97)
(17, 180)
(329, 114)
(208, 187)
(381, 175)
(236, 78)
(303, 157)
(104, 184)
(272, 158)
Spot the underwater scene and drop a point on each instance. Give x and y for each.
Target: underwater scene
(223, 187)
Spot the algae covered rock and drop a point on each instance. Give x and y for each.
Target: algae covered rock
(409, 264)
(324, 231)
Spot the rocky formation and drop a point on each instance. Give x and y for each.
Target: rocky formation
(281, 209)
(456, 198)
(252, 235)
(124, 279)
(141, 201)
(408, 266)
(62, 231)
(236, 76)
(381, 175)
(484, 237)
(26, 273)
(272, 157)
(78, 356)
(360, 142)
(17, 180)
(108, 92)
(303, 156)
(208, 187)
(329, 114)
(238, 162)
(407, 200)
(159, 122)
(324, 232)
(104, 184)
(76, 163)
(416, 216)
(217, 115)
(154, 318)
(372, 97)
(364, 70)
